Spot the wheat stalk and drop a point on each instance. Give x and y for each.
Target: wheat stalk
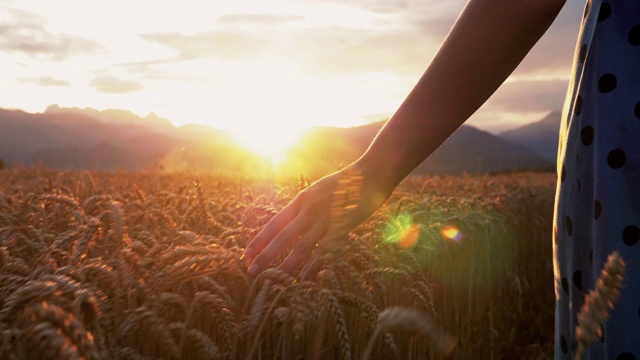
(341, 324)
(369, 310)
(599, 303)
(201, 344)
(279, 276)
(59, 332)
(170, 302)
(196, 266)
(412, 321)
(202, 310)
(90, 232)
(129, 353)
(145, 328)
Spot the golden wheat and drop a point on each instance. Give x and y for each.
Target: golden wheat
(599, 303)
(149, 265)
(409, 320)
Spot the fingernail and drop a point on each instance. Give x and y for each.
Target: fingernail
(253, 270)
(248, 252)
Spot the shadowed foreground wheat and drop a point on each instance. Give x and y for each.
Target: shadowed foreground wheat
(143, 265)
(411, 321)
(598, 304)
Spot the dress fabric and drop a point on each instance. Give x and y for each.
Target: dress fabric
(598, 196)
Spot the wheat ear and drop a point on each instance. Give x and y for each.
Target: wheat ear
(341, 324)
(409, 320)
(599, 303)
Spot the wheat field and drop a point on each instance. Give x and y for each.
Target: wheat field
(125, 265)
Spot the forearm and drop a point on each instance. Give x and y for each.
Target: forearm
(490, 38)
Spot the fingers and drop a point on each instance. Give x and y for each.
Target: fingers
(302, 249)
(276, 246)
(270, 230)
(326, 245)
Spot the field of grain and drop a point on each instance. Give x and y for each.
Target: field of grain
(143, 266)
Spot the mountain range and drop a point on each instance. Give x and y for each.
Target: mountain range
(541, 136)
(74, 138)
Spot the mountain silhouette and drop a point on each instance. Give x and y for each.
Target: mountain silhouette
(73, 138)
(468, 150)
(541, 136)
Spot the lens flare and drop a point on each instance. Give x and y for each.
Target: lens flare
(451, 232)
(402, 231)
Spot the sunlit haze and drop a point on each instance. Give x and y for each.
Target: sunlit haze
(264, 70)
(272, 143)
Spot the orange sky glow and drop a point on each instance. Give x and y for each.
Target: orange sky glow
(265, 70)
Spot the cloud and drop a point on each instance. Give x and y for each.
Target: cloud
(224, 44)
(377, 6)
(257, 19)
(336, 49)
(530, 96)
(403, 39)
(25, 32)
(554, 52)
(111, 84)
(412, 24)
(340, 51)
(148, 69)
(47, 81)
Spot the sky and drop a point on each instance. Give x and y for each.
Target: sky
(256, 65)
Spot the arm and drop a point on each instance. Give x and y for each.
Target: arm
(488, 41)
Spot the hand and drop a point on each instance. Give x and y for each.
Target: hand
(319, 218)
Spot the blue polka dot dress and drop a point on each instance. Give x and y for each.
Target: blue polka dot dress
(598, 196)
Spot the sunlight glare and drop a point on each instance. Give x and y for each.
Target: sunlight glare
(271, 143)
(451, 232)
(402, 231)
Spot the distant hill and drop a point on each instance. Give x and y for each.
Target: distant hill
(112, 139)
(120, 117)
(541, 136)
(468, 150)
(26, 135)
(115, 139)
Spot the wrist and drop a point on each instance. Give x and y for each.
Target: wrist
(381, 175)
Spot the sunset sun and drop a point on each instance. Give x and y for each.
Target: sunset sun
(270, 143)
(215, 82)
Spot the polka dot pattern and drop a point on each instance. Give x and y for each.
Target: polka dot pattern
(563, 344)
(583, 53)
(616, 158)
(631, 235)
(607, 83)
(634, 36)
(568, 225)
(626, 356)
(577, 279)
(597, 209)
(605, 12)
(577, 110)
(586, 135)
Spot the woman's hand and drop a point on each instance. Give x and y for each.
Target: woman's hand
(318, 219)
(488, 41)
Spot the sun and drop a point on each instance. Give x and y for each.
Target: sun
(271, 143)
